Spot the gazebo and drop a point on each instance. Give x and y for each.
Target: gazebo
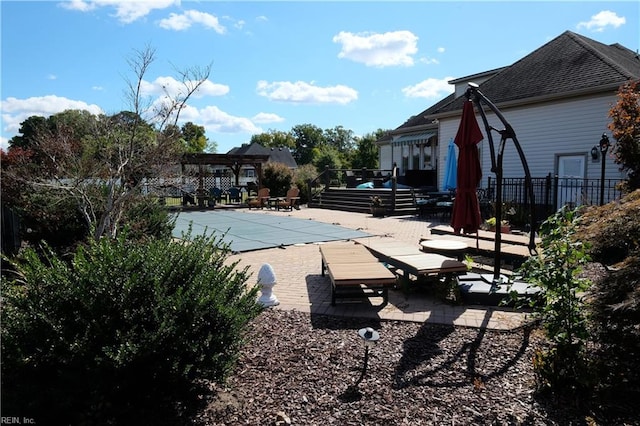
(233, 161)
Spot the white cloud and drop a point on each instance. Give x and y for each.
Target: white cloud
(378, 50)
(4, 143)
(302, 92)
(266, 117)
(15, 111)
(429, 61)
(52, 77)
(440, 49)
(601, 20)
(184, 21)
(216, 120)
(162, 86)
(430, 88)
(126, 11)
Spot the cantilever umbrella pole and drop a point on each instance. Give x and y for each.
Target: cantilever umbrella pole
(496, 164)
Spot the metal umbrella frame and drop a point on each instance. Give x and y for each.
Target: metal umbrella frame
(496, 168)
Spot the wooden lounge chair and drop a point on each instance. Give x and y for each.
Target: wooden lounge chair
(354, 271)
(291, 200)
(412, 261)
(261, 200)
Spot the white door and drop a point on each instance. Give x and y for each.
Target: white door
(571, 172)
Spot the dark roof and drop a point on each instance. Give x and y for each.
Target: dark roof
(568, 64)
(276, 155)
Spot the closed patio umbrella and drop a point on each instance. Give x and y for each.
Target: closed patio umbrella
(450, 170)
(466, 210)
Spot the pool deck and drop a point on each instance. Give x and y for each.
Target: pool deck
(300, 285)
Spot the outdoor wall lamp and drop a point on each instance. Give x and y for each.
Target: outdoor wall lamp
(595, 153)
(369, 337)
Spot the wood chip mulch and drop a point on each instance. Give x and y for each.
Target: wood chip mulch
(303, 369)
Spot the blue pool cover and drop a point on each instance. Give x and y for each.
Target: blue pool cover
(250, 231)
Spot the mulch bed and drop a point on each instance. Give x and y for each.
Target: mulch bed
(302, 369)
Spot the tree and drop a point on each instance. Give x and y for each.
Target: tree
(367, 152)
(194, 138)
(307, 137)
(275, 139)
(341, 139)
(101, 170)
(625, 128)
(328, 156)
(29, 129)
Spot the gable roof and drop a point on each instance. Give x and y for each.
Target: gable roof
(276, 155)
(570, 64)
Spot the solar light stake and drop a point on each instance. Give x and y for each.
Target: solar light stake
(369, 337)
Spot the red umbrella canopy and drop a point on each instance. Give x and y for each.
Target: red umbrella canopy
(466, 210)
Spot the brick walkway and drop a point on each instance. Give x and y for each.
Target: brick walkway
(300, 285)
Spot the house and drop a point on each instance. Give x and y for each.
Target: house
(557, 99)
(248, 173)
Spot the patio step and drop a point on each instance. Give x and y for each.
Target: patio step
(359, 200)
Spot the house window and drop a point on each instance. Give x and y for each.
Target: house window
(426, 158)
(249, 173)
(416, 157)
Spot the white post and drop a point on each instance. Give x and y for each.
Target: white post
(267, 279)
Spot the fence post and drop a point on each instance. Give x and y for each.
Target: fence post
(327, 178)
(555, 193)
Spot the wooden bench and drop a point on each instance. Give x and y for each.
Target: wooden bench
(354, 271)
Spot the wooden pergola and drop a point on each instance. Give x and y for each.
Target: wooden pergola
(234, 162)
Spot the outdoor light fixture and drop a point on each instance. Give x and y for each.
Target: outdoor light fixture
(604, 144)
(369, 337)
(604, 147)
(595, 153)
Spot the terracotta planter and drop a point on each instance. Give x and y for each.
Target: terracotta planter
(504, 229)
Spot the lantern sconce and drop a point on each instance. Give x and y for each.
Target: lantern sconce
(595, 153)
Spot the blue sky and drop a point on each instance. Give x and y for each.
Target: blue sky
(360, 65)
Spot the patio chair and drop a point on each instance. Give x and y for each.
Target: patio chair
(260, 200)
(215, 196)
(235, 195)
(291, 200)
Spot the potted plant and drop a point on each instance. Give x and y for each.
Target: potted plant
(377, 206)
(490, 224)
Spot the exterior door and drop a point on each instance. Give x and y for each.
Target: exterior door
(571, 173)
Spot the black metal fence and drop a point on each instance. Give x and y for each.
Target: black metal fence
(553, 192)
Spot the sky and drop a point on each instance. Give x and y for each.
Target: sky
(362, 65)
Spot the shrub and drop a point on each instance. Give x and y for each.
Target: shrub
(556, 271)
(278, 178)
(122, 333)
(614, 308)
(302, 176)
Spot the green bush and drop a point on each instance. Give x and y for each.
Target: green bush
(556, 272)
(123, 333)
(302, 176)
(278, 178)
(146, 218)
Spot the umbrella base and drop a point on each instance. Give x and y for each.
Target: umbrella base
(479, 289)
